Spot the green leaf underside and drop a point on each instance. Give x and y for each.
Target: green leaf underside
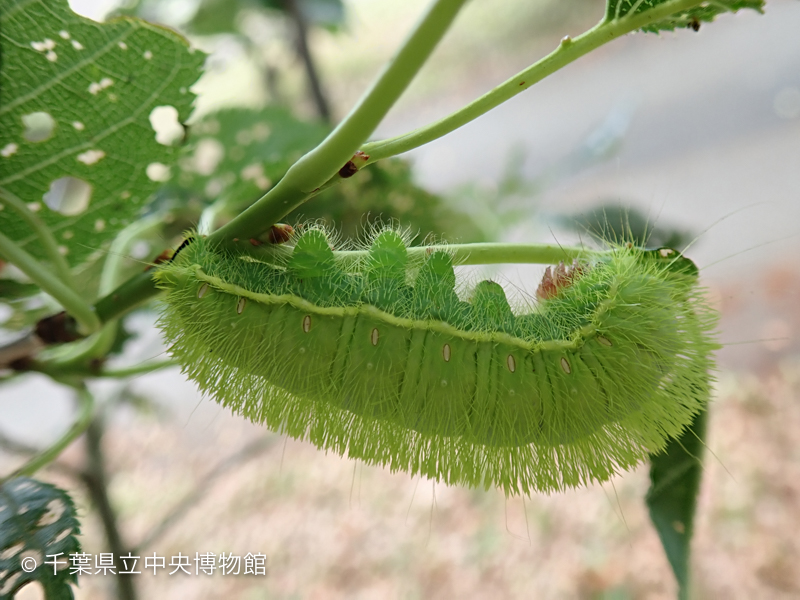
(382, 361)
(99, 82)
(672, 499)
(704, 13)
(36, 520)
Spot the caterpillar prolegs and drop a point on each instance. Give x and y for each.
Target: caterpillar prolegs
(379, 359)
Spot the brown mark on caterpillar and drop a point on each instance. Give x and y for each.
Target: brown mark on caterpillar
(280, 233)
(694, 24)
(165, 256)
(240, 305)
(555, 281)
(202, 291)
(565, 366)
(307, 323)
(446, 352)
(374, 337)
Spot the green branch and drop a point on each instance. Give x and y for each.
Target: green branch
(463, 254)
(76, 306)
(42, 231)
(61, 371)
(101, 342)
(323, 162)
(568, 51)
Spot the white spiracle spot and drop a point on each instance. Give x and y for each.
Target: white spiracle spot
(565, 366)
(511, 363)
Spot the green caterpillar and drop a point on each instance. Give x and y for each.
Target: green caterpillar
(377, 358)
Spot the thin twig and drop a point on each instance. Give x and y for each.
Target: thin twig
(49, 454)
(320, 101)
(96, 482)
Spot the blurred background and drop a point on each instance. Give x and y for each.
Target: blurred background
(692, 137)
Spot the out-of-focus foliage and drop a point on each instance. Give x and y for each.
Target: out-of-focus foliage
(236, 155)
(224, 16)
(240, 153)
(614, 223)
(385, 191)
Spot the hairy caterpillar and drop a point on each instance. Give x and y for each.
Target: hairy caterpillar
(379, 359)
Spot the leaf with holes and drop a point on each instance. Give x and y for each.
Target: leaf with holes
(702, 12)
(76, 141)
(37, 522)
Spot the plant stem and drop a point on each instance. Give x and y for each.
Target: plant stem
(96, 480)
(324, 161)
(463, 254)
(142, 369)
(76, 306)
(61, 371)
(42, 231)
(126, 297)
(568, 51)
(86, 404)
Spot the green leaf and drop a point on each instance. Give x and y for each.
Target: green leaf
(672, 498)
(76, 103)
(704, 12)
(37, 521)
(11, 289)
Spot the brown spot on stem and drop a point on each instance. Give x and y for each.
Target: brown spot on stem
(58, 329)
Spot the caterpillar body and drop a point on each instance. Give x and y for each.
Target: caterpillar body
(379, 359)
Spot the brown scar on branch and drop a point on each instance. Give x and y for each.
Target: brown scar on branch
(352, 166)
